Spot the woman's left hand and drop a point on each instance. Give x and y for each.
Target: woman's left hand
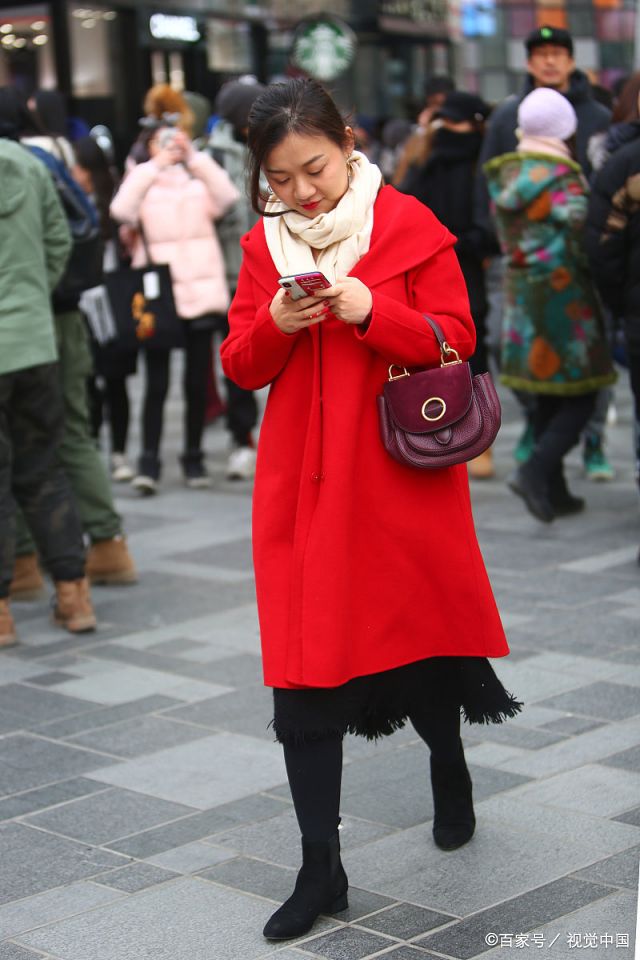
(350, 300)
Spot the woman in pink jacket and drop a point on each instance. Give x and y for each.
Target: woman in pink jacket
(175, 198)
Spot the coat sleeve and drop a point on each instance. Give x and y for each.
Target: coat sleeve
(606, 236)
(55, 231)
(220, 189)
(401, 334)
(125, 206)
(255, 351)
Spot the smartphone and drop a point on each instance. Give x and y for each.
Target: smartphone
(304, 284)
(166, 137)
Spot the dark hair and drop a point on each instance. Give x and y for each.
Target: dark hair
(626, 109)
(16, 120)
(441, 84)
(300, 106)
(91, 157)
(51, 110)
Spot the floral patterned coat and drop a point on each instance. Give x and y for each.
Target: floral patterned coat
(553, 337)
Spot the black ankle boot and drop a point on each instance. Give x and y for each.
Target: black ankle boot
(453, 820)
(529, 483)
(562, 500)
(321, 887)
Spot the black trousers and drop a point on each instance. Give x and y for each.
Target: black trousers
(242, 409)
(633, 356)
(196, 371)
(314, 768)
(557, 425)
(31, 427)
(114, 397)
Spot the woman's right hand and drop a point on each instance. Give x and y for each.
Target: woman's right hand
(290, 316)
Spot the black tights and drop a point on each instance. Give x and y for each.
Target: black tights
(314, 769)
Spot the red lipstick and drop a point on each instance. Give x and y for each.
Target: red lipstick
(310, 206)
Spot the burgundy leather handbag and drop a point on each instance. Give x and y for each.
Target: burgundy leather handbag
(440, 417)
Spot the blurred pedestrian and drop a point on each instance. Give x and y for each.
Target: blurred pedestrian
(445, 184)
(341, 531)
(34, 246)
(416, 147)
(624, 125)
(613, 243)
(172, 201)
(108, 557)
(228, 146)
(553, 340)
(161, 103)
(113, 363)
(395, 133)
(551, 63)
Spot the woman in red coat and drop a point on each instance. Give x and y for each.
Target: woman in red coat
(374, 603)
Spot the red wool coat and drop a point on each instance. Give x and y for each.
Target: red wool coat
(361, 564)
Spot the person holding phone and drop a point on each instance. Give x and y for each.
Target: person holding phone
(174, 198)
(374, 603)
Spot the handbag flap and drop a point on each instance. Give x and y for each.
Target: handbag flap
(430, 400)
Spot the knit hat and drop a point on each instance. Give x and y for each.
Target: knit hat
(553, 35)
(546, 113)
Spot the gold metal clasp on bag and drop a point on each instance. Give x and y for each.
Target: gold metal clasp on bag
(398, 376)
(425, 406)
(446, 351)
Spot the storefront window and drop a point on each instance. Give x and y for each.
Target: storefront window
(90, 30)
(26, 48)
(229, 46)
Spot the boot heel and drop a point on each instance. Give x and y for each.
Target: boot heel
(339, 904)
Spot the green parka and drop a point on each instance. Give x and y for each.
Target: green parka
(34, 246)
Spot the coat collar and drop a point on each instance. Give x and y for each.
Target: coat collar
(405, 234)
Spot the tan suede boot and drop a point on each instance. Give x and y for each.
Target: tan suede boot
(7, 626)
(109, 561)
(73, 609)
(481, 468)
(27, 583)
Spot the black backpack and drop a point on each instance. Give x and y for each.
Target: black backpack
(84, 266)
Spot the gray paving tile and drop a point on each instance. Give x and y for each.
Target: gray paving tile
(11, 951)
(135, 877)
(51, 679)
(278, 839)
(30, 762)
(626, 759)
(593, 788)
(23, 915)
(104, 716)
(22, 803)
(572, 725)
(37, 706)
(138, 736)
(631, 816)
(175, 648)
(243, 670)
(188, 919)
(236, 555)
(608, 701)
(362, 903)
(108, 816)
(33, 861)
(254, 876)
(248, 710)
(125, 682)
(191, 857)
(408, 866)
(214, 770)
(408, 953)
(522, 737)
(208, 824)
(467, 938)
(348, 943)
(406, 921)
(620, 870)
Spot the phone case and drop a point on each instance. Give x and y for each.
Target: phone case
(304, 284)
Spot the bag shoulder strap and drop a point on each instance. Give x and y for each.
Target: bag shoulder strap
(437, 329)
(446, 352)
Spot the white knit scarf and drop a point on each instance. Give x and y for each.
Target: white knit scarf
(341, 236)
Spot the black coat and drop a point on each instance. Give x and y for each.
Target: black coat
(613, 236)
(445, 184)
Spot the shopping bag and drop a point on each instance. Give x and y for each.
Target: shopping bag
(143, 307)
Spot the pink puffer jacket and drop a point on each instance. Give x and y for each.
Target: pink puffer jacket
(176, 207)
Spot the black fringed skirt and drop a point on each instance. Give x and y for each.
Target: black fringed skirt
(380, 703)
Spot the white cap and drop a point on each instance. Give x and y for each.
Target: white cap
(546, 113)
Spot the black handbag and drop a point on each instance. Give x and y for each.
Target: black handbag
(143, 305)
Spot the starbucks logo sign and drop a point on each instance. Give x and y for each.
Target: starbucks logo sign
(324, 48)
